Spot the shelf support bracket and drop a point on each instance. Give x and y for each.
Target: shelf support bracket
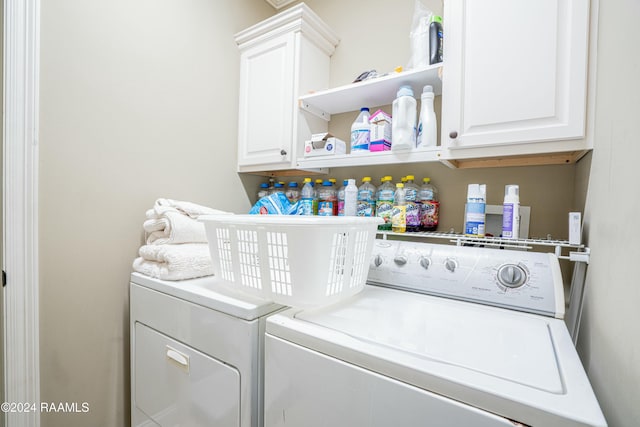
(582, 256)
(315, 111)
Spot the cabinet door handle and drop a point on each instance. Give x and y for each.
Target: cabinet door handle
(283, 152)
(453, 134)
(177, 357)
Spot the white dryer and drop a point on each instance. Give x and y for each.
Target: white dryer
(196, 354)
(455, 336)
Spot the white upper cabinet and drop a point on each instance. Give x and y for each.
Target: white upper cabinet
(515, 73)
(281, 59)
(518, 81)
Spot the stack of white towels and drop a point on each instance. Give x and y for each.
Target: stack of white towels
(176, 244)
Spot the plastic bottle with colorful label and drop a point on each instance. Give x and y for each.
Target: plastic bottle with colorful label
(399, 213)
(341, 198)
(278, 187)
(308, 201)
(366, 205)
(429, 206)
(263, 191)
(384, 202)
(293, 192)
(327, 200)
(413, 204)
(361, 132)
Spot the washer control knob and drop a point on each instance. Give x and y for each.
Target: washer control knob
(451, 264)
(511, 275)
(400, 260)
(377, 260)
(425, 262)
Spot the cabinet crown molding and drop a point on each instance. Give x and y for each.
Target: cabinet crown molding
(299, 18)
(279, 3)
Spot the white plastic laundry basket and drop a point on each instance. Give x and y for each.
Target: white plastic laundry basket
(292, 260)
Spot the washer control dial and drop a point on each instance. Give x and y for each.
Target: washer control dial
(378, 260)
(511, 275)
(451, 264)
(425, 262)
(400, 260)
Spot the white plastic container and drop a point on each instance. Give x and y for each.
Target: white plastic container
(427, 127)
(361, 132)
(474, 212)
(511, 212)
(298, 261)
(403, 126)
(350, 198)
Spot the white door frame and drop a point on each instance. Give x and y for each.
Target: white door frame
(20, 208)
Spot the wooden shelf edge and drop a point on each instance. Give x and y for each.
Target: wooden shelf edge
(564, 158)
(287, 172)
(372, 159)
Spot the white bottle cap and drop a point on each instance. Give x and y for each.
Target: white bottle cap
(427, 89)
(352, 182)
(477, 191)
(511, 190)
(405, 90)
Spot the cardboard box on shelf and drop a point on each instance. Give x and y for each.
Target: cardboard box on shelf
(380, 131)
(324, 144)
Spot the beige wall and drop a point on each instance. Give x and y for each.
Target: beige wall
(609, 341)
(138, 101)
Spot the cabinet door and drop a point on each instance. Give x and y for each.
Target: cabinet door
(266, 103)
(515, 71)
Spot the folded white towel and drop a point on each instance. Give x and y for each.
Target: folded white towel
(172, 221)
(187, 208)
(174, 227)
(174, 262)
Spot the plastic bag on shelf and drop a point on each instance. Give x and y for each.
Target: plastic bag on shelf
(419, 36)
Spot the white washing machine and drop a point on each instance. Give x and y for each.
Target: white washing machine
(196, 354)
(451, 336)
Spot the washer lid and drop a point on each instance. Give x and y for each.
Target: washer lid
(209, 292)
(518, 365)
(499, 343)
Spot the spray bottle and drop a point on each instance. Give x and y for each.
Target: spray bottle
(474, 212)
(511, 212)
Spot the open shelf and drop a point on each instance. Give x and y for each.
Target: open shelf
(430, 154)
(370, 93)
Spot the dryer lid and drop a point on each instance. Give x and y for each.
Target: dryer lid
(511, 346)
(210, 293)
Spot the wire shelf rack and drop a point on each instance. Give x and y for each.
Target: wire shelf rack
(562, 248)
